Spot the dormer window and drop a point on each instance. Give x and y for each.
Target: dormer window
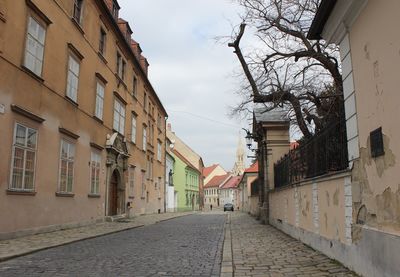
(115, 10)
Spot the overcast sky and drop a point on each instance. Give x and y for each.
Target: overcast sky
(192, 73)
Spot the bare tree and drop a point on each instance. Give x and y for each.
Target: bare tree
(287, 70)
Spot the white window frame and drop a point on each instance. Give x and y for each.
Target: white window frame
(68, 160)
(132, 181)
(25, 148)
(78, 4)
(37, 42)
(159, 151)
(95, 164)
(99, 105)
(119, 116)
(133, 128)
(71, 91)
(144, 138)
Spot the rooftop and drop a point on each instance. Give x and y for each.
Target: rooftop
(261, 115)
(217, 181)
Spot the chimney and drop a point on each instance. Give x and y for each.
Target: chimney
(144, 64)
(169, 127)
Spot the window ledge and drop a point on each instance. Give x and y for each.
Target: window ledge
(120, 81)
(70, 100)
(98, 119)
(21, 192)
(102, 58)
(77, 25)
(92, 195)
(32, 74)
(65, 194)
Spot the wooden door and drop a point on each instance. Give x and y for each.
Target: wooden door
(113, 194)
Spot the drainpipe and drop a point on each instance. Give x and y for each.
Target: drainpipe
(165, 165)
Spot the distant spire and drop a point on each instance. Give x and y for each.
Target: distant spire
(239, 165)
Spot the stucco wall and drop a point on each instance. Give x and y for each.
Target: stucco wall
(317, 206)
(375, 60)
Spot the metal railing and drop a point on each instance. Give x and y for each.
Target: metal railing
(324, 153)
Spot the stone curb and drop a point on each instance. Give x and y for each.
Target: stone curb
(30, 251)
(227, 255)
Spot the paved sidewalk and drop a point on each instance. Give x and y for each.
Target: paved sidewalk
(262, 250)
(21, 246)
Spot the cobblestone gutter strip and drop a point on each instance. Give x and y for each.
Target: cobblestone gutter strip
(227, 255)
(13, 248)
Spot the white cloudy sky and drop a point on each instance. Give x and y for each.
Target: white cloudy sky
(192, 74)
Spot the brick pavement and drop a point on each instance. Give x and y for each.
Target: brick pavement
(185, 246)
(21, 246)
(262, 250)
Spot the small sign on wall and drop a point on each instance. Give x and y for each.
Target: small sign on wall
(2, 109)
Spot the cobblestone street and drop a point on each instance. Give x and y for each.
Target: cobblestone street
(185, 246)
(261, 250)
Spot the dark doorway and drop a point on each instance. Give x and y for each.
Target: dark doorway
(113, 200)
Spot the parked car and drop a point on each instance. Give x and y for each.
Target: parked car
(228, 207)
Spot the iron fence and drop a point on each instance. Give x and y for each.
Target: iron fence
(324, 153)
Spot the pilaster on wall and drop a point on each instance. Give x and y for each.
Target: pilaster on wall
(297, 206)
(349, 99)
(315, 207)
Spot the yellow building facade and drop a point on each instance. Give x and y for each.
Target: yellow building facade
(82, 129)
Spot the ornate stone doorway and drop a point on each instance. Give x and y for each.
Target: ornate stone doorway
(117, 157)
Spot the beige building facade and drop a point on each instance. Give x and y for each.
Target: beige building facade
(353, 215)
(83, 131)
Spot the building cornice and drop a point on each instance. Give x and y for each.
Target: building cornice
(122, 39)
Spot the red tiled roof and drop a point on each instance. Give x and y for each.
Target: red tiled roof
(207, 170)
(217, 181)
(232, 182)
(253, 168)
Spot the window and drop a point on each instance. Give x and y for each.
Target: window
(78, 4)
(119, 116)
(66, 166)
(377, 147)
(121, 65)
(143, 183)
(134, 88)
(123, 70)
(159, 122)
(102, 43)
(159, 151)
(133, 134)
(23, 158)
(99, 100)
(145, 102)
(34, 49)
(95, 163)
(131, 181)
(144, 138)
(115, 9)
(73, 78)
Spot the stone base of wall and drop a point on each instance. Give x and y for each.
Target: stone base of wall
(47, 229)
(373, 253)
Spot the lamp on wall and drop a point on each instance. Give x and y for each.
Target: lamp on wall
(249, 141)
